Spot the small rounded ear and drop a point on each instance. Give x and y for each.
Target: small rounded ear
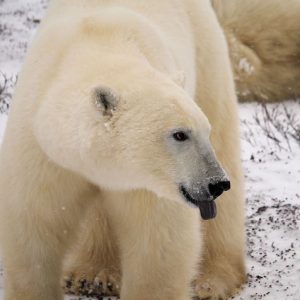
(105, 100)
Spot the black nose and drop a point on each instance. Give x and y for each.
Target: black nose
(216, 189)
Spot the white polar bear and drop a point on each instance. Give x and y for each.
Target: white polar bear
(115, 107)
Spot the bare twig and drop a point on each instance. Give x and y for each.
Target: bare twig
(7, 85)
(279, 124)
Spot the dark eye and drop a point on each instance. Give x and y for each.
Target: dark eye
(180, 136)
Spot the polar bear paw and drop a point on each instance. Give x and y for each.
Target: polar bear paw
(105, 283)
(215, 288)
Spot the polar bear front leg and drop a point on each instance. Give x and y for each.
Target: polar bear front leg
(32, 275)
(92, 263)
(159, 245)
(36, 227)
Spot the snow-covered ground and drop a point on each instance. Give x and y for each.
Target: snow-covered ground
(271, 159)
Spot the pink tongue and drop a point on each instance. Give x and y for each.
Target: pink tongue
(208, 209)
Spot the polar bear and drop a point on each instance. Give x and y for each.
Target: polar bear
(125, 113)
(264, 46)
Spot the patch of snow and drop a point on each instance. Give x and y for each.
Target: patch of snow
(245, 66)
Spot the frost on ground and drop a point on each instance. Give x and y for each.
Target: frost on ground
(270, 155)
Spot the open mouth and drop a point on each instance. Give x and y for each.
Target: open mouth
(208, 208)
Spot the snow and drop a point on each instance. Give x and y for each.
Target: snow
(245, 66)
(270, 157)
(273, 210)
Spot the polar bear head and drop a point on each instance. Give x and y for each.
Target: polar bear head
(133, 128)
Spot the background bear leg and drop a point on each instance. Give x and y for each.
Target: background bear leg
(159, 245)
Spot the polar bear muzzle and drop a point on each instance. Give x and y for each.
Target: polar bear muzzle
(204, 198)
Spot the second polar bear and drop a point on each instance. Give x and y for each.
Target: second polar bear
(264, 46)
(114, 114)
